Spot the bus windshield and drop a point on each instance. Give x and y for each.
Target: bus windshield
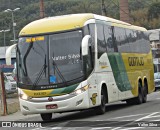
(50, 59)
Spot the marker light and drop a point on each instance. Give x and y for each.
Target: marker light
(81, 90)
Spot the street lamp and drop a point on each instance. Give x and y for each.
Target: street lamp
(14, 24)
(4, 31)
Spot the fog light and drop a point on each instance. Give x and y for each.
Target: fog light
(26, 108)
(79, 102)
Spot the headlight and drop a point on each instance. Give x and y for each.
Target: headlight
(24, 96)
(81, 90)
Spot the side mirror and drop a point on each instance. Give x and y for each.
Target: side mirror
(85, 44)
(8, 54)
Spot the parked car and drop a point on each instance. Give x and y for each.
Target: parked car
(10, 83)
(157, 80)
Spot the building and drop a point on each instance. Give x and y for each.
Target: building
(3, 66)
(154, 36)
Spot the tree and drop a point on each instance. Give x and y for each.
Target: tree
(154, 11)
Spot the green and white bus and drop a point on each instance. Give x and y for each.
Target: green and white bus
(80, 61)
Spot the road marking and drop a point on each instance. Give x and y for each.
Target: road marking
(154, 116)
(116, 128)
(134, 128)
(157, 98)
(56, 128)
(101, 128)
(148, 116)
(41, 128)
(128, 116)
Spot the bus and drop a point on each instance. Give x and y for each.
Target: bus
(80, 61)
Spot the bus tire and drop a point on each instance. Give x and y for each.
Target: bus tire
(145, 93)
(102, 108)
(46, 116)
(139, 99)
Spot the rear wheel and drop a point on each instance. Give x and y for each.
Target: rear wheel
(139, 99)
(46, 116)
(102, 108)
(145, 93)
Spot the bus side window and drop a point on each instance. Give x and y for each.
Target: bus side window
(100, 40)
(131, 39)
(108, 38)
(86, 30)
(121, 39)
(90, 30)
(92, 47)
(145, 43)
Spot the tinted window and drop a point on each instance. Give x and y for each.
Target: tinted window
(108, 38)
(118, 39)
(32, 59)
(121, 40)
(100, 40)
(90, 30)
(65, 61)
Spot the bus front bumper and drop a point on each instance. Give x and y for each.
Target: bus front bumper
(58, 105)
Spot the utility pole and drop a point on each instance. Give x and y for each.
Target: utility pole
(104, 12)
(124, 11)
(3, 94)
(41, 9)
(14, 24)
(159, 36)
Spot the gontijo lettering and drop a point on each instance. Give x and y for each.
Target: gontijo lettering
(136, 61)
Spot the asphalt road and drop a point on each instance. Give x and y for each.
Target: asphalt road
(119, 116)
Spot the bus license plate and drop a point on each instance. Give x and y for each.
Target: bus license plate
(52, 106)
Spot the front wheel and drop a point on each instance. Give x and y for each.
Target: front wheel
(46, 116)
(102, 108)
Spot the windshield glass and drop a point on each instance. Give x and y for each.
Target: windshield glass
(65, 62)
(32, 61)
(51, 59)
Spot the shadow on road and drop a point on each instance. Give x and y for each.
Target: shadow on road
(84, 114)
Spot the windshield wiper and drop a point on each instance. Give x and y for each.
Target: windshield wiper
(25, 57)
(41, 72)
(59, 72)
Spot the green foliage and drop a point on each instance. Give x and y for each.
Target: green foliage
(144, 13)
(154, 11)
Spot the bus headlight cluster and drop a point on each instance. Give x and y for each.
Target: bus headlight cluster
(24, 96)
(81, 90)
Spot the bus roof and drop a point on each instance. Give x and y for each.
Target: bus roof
(118, 23)
(55, 24)
(68, 22)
